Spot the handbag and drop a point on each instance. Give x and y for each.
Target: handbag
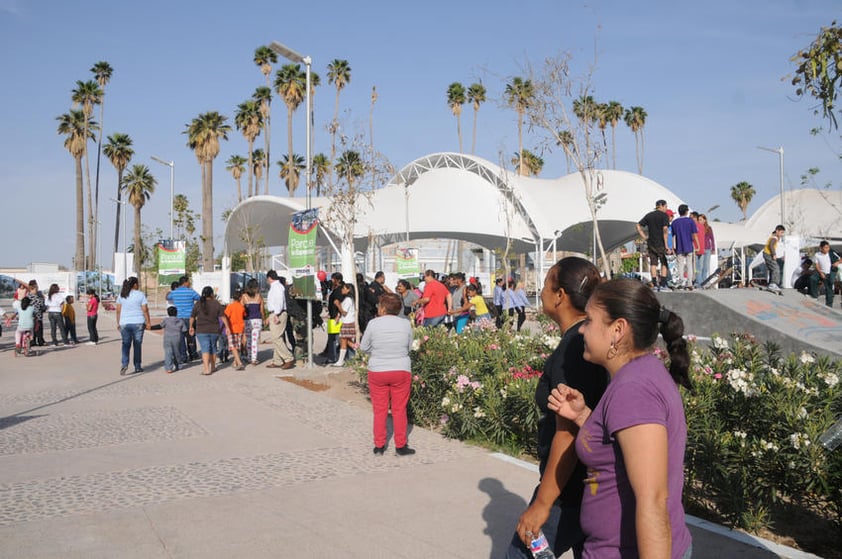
(334, 326)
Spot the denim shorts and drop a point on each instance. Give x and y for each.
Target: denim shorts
(207, 342)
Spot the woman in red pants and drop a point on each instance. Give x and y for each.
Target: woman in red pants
(388, 339)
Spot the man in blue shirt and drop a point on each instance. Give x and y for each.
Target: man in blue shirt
(497, 300)
(183, 298)
(685, 239)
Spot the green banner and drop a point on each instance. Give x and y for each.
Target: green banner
(406, 262)
(172, 263)
(303, 230)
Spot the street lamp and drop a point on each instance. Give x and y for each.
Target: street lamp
(780, 151)
(171, 165)
(125, 204)
(293, 56)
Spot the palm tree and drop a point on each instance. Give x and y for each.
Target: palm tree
(249, 120)
(102, 73)
(258, 163)
(291, 171)
(139, 185)
(533, 164)
(320, 170)
(614, 114)
(519, 95)
(203, 135)
(339, 74)
(119, 151)
(75, 127)
(566, 141)
(476, 96)
(86, 95)
(742, 193)
(455, 99)
(586, 109)
(291, 85)
(350, 167)
(236, 164)
(264, 57)
(602, 122)
(635, 118)
(263, 95)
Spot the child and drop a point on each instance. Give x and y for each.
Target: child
(174, 329)
(236, 312)
(222, 343)
(26, 323)
(91, 313)
(68, 314)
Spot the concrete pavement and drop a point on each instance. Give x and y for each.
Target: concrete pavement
(238, 464)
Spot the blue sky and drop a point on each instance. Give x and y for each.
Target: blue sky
(709, 75)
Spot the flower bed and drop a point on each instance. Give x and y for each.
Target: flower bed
(754, 417)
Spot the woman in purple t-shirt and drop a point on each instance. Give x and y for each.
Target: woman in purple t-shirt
(633, 441)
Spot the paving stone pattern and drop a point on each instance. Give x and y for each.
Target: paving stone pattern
(29, 434)
(54, 432)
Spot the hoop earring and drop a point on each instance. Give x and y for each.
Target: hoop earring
(612, 351)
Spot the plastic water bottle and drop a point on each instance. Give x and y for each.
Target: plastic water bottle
(539, 547)
(832, 438)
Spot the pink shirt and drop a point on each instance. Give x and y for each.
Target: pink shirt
(93, 306)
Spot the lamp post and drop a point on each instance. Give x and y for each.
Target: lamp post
(124, 203)
(171, 165)
(293, 56)
(780, 151)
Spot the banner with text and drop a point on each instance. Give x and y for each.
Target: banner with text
(172, 262)
(406, 262)
(303, 230)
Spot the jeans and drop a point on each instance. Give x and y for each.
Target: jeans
(57, 320)
(434, 320)
(70, 328)
(132, 335)
(702, 267)
(187, 349)
(171, 352)
(93, 335)
(773, 266)
(828, 281)
(207, 342)
(562, 530)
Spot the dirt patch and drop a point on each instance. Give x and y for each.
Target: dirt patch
(308, 384)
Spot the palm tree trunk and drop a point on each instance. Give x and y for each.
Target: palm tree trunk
(117, 221)
(79, 260)
(474, 140)
(91, 249)
(333, 128)
(613, 147)
(642, 149)
(267, 128)
(240, 191)
(96, 180)
(520, 142)
(459, 130)
(207, 216)
(290, 185)
(138, 250)
(637, 153)
(251, 171)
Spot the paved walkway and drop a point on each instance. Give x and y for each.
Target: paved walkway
(238, 464)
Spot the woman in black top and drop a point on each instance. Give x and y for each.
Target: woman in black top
(554, 508)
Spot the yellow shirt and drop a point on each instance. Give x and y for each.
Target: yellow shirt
(480, 308)
(68, 312)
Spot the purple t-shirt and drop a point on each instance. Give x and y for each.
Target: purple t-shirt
(642, 392)
(683, 229)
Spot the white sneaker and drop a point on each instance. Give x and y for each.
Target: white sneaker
(338, 364)
(774, 286)
(90, 343)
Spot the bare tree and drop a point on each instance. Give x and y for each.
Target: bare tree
(555, 90)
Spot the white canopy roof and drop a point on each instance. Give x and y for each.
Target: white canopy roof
(450, 195)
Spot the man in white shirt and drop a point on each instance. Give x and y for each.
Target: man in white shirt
(277, 321)
(827, 262)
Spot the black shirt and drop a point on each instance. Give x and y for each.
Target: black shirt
(654, 222)
(566, 365)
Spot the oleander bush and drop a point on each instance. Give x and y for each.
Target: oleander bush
(754, 417)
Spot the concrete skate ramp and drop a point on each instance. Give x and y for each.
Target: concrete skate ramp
(793, 321)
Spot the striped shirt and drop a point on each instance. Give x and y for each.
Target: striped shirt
(182, 299)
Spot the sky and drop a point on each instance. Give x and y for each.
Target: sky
(710, 75)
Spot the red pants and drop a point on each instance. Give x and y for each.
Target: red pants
(382, 387)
